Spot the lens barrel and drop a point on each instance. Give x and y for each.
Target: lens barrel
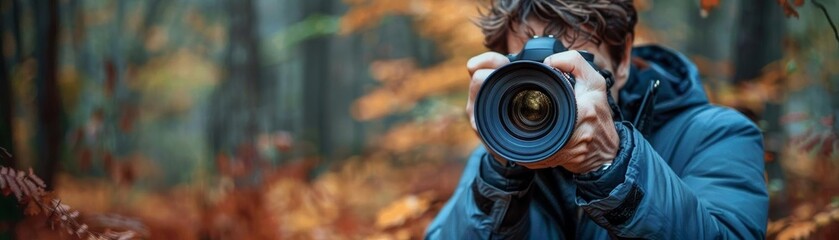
(525, 111)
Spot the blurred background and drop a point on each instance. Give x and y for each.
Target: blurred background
(331, 119)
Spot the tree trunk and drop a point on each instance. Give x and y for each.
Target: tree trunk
(49, 133)
(709, 41)
(5, 106)
(154, 9)
(710, 36)
(315, 57)
(16, 9)
(10, 213)
(234, 104)
(759, 38)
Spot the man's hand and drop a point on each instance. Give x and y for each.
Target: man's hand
(594, 141)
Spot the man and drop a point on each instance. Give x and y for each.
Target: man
(697, 174)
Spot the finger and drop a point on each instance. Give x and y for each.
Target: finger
(575, 165)
(574, 63)
(532, 166)
(589, 166)
(487, 60)
(586, 169)
(586, 112)
(478, 79)
(536, 165)
(568, 154)
(584, 133)
(475, 84)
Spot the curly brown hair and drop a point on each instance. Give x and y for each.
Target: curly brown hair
(597, 21)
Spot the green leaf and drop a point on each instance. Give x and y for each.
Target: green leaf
(791, 67)
(312, 27)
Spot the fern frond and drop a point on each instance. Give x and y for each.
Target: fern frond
(30, 189)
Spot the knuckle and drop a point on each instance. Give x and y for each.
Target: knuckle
(475, 62)
(587, 112)
(586, 140)
(584, 148)
(584, 136)
(472, 63)
(578, 160)
(578, 57)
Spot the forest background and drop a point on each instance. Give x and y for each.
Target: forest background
(331, 119)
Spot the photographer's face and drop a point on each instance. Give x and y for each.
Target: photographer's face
(517, 38)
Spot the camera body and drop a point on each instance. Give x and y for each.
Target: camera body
(526, 111)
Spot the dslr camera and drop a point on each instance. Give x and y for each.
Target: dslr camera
(526, 111)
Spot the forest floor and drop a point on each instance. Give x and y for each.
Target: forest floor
(370, 199)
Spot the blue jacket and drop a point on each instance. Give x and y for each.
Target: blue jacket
(697, 175)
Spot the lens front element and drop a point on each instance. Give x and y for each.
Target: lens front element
(531, 109)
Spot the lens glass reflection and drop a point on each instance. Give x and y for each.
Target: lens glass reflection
(530, 109)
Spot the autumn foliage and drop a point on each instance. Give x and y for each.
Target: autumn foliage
(400, 178)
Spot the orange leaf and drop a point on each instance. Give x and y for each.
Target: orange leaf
(801, 230)
(402, 210)
(789, 10)
(708, 4)
(32, 209)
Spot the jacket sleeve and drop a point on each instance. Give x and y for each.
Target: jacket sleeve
(490, 202)
(719, 194)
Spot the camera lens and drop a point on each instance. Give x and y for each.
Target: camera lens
(530, 109)
(525, 111)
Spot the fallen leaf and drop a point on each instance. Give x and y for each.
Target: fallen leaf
(402, 210)
(32, 209)
(776, 226)
(822, 219)
(801, 230)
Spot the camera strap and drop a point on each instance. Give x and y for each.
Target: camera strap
(643, 120)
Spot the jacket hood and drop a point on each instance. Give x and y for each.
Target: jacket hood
(679, 86)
